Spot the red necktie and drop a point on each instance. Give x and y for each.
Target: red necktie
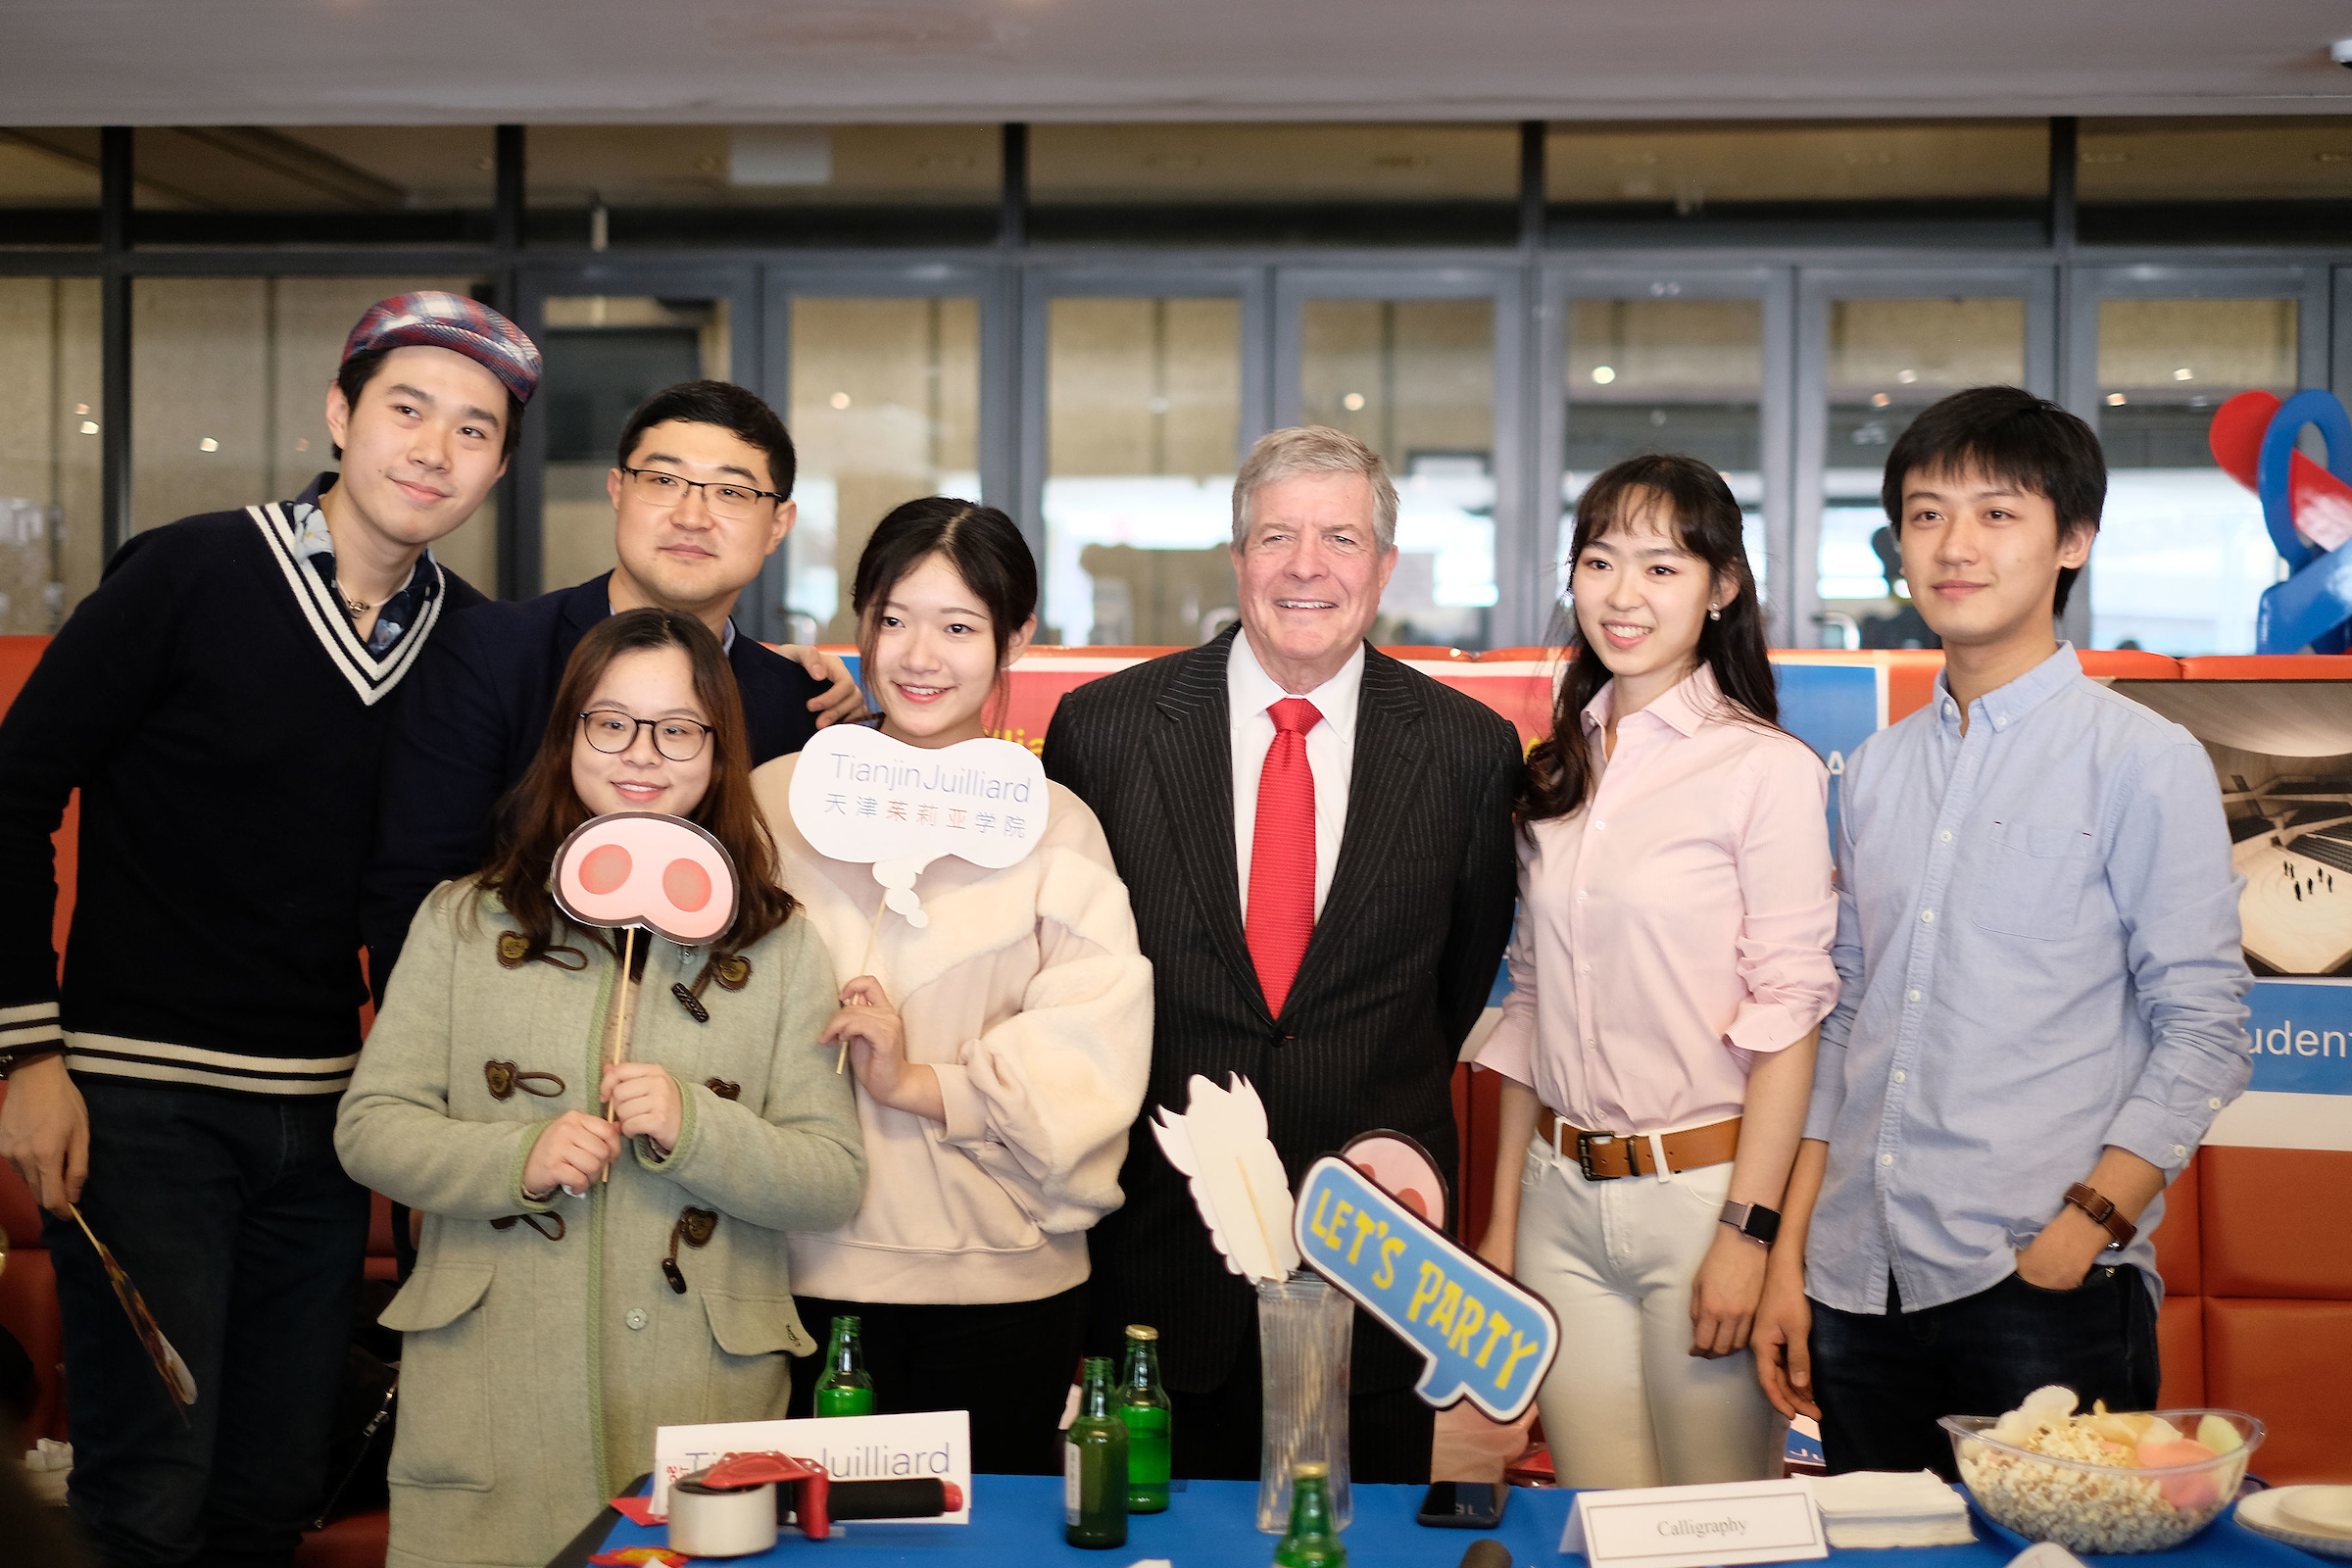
(1282, 854)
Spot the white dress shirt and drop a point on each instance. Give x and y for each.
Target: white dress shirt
(1330, 754)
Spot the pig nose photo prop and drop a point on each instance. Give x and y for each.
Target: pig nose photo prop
(627, 870)
(642, 868)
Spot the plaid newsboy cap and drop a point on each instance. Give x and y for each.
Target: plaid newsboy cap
(431, 319)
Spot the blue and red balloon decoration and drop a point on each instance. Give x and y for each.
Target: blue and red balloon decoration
(2307, 508)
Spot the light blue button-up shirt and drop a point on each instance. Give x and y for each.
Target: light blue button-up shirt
(2038, 950)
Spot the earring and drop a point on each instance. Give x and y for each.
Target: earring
(1714, 611)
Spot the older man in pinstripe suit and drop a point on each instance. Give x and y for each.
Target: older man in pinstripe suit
(1318, 842)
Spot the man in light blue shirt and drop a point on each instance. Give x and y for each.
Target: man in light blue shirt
(2041, 1009)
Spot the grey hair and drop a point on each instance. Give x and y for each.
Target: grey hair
(1305, 449)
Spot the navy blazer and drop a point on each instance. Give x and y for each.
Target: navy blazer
(470, 721)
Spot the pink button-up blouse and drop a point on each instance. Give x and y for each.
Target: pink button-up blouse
(1676, 926)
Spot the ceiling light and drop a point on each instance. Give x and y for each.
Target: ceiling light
(82, 408)
(1353, 402)
(2185, 373)
(1906, 376)
(89, 427)
(1604, 374)
(208, 444)
(1879, 400)
(841, 400)
(2115, 399)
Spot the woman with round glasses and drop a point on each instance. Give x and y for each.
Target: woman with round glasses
(605, 1248)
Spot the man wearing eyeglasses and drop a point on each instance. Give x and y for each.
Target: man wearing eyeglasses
(701, 489)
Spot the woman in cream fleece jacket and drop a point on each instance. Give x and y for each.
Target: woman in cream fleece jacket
(1001, 1052)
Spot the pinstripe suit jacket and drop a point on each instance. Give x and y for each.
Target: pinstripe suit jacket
(1401, 964)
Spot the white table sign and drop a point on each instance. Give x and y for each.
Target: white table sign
(851, 1448)
(1698, 1527)
(862, 796)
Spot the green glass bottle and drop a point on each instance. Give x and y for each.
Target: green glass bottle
(1146, 1413)
(1093, 1465)
(846, 1389)
(1310, 1542)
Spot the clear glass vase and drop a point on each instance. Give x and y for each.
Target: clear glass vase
(1306, 1330)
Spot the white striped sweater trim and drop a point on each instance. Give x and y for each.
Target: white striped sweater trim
(29, 1026)
(154, 1061)
(370, 676)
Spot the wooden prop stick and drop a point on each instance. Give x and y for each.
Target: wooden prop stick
(625, 1014)
(866, 966)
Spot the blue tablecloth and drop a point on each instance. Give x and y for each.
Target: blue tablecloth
(1016, 1523)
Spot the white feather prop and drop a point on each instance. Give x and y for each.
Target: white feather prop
(1237, 1178)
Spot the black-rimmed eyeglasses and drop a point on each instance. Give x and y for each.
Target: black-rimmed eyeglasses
(723, 499)
(612, 733)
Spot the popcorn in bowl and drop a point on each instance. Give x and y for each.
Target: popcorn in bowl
(2104, 1481)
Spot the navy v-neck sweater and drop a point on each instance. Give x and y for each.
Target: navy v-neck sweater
(225, 729)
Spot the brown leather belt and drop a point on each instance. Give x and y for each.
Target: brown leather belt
(1607, 1157)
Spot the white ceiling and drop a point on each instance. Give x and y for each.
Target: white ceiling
(418, 62)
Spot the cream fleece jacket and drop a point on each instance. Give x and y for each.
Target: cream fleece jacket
(1029, 998)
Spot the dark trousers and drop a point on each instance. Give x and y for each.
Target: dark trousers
(237, 1224)
(1008, 1363)
(1883, 1381)
(1219, 1435)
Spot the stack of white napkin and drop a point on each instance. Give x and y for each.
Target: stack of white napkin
(1891, 1508)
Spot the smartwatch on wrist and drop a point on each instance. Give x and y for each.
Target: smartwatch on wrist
(1754, 1221)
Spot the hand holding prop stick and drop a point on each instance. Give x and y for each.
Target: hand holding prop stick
(627, 870)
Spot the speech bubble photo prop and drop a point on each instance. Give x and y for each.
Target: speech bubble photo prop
(1481, 1334)
(862, 796)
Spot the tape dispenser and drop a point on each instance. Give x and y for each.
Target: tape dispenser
(732, 1508)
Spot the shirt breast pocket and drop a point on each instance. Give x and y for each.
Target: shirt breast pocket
(2033, 880)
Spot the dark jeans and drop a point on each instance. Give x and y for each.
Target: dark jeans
(1883, 1381)
(1219, 1434)
(1010, 1364)
(237, 1224)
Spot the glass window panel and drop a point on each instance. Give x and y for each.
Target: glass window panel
(1666, 375)
(1143, 416)
(2227, 179)
(885, 407)
(2183, 556)
(625, 185)
(51, 537)
(1889, 359)
(605, 355)
(48, 188)
(313, 184)
(1409, 183)
(1821, 181)
(228, 390)
(1414, 380)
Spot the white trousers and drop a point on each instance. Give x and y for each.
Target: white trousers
(1626, 1403)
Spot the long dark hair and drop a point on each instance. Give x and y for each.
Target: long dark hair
(1692, 498)
(981, 543)
(542, 810)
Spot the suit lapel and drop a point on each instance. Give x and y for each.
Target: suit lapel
(1388, 754)
(1192, 754)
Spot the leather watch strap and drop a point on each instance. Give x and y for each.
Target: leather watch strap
(2098, 1206)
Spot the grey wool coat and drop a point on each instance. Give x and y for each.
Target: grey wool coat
(534, 1370)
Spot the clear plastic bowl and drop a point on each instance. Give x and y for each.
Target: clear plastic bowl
(2089, 1507)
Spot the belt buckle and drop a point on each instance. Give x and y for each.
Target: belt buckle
(1584, 1156)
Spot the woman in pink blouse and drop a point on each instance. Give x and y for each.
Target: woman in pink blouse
(1670, 972)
